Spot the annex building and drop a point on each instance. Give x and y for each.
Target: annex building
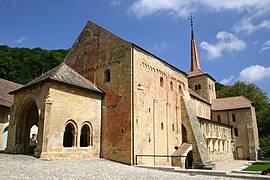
(112, 99)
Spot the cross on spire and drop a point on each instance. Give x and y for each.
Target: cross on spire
(191, 20)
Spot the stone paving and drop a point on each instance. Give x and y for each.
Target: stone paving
(27, 167)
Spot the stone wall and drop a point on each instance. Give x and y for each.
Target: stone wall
(79, 107)
(95, 51)
(247, 138)
(157, 108)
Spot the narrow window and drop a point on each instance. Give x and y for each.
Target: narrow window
(235, 131)
(162, 126)
(196, 87)
(69, 135)
(199, 86)
(86, 138)
(180, 89)
(233, 118)
(107, 75)
(161, 82)
(172, 127)
(171, 85)
(218, 118)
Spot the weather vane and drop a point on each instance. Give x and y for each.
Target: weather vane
(191, 20)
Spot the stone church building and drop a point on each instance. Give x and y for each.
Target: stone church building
(112, 99)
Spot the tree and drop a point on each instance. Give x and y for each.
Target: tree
(22, 65)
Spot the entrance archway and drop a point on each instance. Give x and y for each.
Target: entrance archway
(184, 134)
(189, 160)
(4, 138)
(27, 118)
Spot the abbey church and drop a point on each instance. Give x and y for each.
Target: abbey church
(112, 99)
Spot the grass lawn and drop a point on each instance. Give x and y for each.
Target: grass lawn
(258, 166)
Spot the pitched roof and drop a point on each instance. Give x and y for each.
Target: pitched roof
(64, 74)
(196, 95)
(237, 102)
(5, 87)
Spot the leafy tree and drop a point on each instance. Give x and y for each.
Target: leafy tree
(22, 65)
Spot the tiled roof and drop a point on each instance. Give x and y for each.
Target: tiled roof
(196, 95)
(182, 150)
(237, 102)
(63, 73)
(5, 87)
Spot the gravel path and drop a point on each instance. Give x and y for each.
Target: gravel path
(27, 167)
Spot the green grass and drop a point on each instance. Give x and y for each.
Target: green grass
(258, 166)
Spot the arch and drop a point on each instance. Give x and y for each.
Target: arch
(107, 75)
(161, 81)
(26, 116)
(86, 138)
(70, 134)
(189, 160)
(184, 134)
(4, 137)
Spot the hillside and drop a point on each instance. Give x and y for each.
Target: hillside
(22, 65)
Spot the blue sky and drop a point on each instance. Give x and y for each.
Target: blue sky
(233, 36)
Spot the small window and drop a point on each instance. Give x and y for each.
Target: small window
(196, 87)
(161, 82)
(233, 118)
(180, 89)
(107, 75)
(218, 118)
(199, 86)
(171, 85)
(235, 131)
(172, 127)
(162, 126)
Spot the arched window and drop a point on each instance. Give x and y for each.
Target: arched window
(235, 131)
(162, 126)
(180, 89)
(171, 85)
(107, 75)
(161, 82)
(69, 135)
(86, 136)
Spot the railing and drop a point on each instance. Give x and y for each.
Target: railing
(160, 156)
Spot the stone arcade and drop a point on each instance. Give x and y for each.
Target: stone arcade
(112, 99)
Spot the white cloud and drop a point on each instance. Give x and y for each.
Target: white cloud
(160, 46)
(149, 7)
(226, 42)
(115, 2)
(254, 73)
(184, 7)
(245, 25)
(226, 81)
(21, 40)
(266, 46)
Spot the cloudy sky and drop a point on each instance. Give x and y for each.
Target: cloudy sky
(233, 36)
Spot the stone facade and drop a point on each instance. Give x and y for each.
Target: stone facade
(68, 119)
(152, 113)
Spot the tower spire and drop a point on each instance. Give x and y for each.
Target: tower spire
(195, 61)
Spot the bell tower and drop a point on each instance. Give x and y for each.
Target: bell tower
(199, 81)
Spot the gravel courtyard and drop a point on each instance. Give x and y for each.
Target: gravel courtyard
(27, 167)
